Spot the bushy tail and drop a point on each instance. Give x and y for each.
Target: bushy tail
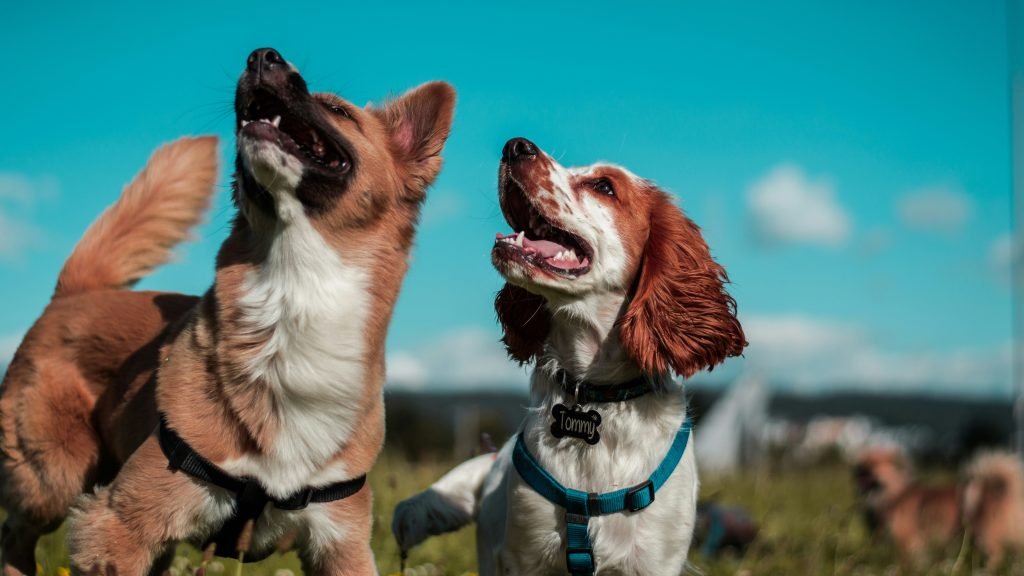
(449, 504)
(154, 213)
(994, 481)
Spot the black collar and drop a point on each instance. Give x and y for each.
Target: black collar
(586, 392)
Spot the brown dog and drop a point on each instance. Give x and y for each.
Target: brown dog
(913, 514)
(273, 377)
(993, 504)
(989, 501)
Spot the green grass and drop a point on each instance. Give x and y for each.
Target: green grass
(808, 527)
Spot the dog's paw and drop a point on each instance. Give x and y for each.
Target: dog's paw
(426, 514)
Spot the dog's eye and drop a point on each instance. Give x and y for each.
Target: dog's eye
(603, 186)
(339, 111)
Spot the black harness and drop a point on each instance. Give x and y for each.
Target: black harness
(250, 497)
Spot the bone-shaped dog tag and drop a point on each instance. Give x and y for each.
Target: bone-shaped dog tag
(576, 423)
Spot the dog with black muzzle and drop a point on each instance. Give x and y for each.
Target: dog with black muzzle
(252, 413)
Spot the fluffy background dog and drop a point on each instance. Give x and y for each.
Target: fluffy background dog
(988, 501)
(274, 375)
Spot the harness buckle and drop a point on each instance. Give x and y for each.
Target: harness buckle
(573, 564)
(632, 499)
(299, 501)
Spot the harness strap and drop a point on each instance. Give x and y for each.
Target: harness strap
(581, 506)
(250, 496)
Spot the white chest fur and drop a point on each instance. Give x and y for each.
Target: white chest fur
(636, 436)
(314, 307)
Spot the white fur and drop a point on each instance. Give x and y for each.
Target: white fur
(518, 531)
(315, 306)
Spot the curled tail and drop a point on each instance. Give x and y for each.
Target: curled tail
(994, 481)
(154, 213)
(449, 504)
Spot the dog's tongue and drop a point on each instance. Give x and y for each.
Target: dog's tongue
(547, 250)
(544, 248)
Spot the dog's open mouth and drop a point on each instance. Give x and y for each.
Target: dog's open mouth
(538, 240)
(267, 117)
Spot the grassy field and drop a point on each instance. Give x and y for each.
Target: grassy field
(808, 527)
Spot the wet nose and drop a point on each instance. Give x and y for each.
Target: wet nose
(517, 149)
(264, 59)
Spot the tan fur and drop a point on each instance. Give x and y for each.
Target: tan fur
(153, 214)
(993, 504)
(81, 399)
(915, 516)
(989, 502)
(91, 345)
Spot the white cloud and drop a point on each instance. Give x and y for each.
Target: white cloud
(8, 345)
(440, 207)
(14, 236)
(875, 241)
(1001, 256)
(812, 354)
(17, 194)
(935, 209)
(786, 206)
(22, 189)
(467, 357)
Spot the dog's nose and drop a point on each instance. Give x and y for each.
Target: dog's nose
(517, 149)
(263, 59)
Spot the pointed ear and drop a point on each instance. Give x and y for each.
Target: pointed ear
(680, 317)
(418, 123)
(525, 322)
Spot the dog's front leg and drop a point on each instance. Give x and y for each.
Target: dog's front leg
(339, 537)
(148, 507)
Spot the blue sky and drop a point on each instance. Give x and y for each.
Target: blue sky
(849, 164)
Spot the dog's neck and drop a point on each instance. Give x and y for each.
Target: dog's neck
(584, 340)
(300, 322)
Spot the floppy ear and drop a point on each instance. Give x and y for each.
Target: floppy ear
(525, 321)
(680, 316)
(419, 122)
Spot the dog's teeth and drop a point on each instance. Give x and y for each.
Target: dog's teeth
(571, 255)
(245, 123)
(519, 239)
(276, 121)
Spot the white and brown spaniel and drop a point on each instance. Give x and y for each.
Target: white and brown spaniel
(610, 289)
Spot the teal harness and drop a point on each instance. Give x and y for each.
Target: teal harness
(581, 506)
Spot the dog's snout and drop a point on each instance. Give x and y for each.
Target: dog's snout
(264, 59)
(517, 149)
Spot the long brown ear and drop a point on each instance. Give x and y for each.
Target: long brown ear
(680, 316)
(525, 321)
(419, 122)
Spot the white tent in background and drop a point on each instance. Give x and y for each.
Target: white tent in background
(731, 435)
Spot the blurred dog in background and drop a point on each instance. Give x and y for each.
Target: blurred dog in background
(988, 502)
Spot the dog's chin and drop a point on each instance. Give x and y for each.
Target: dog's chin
(274, 169)
(524, 273)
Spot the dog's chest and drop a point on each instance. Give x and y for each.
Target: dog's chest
(310, 307)
(652, 541)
